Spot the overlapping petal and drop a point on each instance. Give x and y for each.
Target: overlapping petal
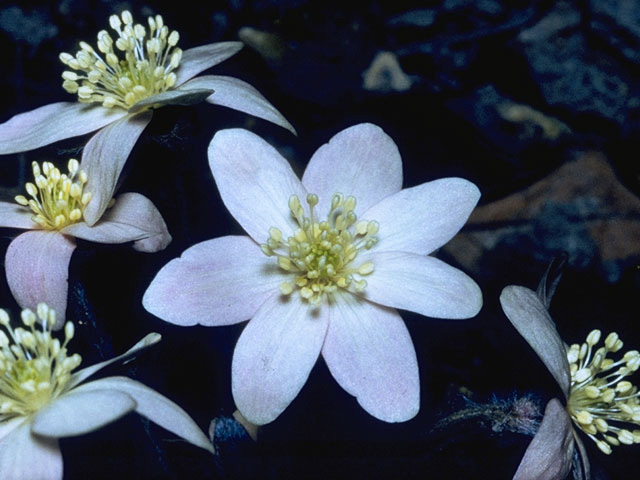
(182, 97)
(423, 218)
(37, 269)
(369, 352)
(198, 59)
(13, 215)
(24, 455)
(254, 181)
(421, 284)
(217, 282)
(274, 356)
(362, 161)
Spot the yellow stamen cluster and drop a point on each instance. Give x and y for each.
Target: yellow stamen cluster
(57, 199)
(602, 403)
(150, 58)
(34, 366)
(320, 254)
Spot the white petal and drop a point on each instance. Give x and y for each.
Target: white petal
(180, 96)
(582, 471)
(217, 282)
(80, 375)
(26, 456)
(420, 284)
(13, 215)
(550, 453)
(234, 93)
(369, 352)
(527, 313)
(362, 161)
(423, 218)
(53, 122)
(274, 355)
(104, 157)
(157, 408)
(254, 181)
(197, 59)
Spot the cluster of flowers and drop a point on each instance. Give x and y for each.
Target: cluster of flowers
(313, 276)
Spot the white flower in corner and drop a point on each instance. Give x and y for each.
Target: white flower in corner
(325, 277)
(119, 84)
(599, 399)
(41, 400)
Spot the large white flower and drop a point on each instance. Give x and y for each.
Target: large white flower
(316, 279)
(118, 90)
(41, 400)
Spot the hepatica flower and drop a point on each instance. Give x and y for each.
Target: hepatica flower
(119, 83)
(37, 261)
(41, 400)
(326, 262)
(600, 401)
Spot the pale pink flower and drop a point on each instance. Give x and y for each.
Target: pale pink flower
(42, 401)
(314, 284)
(37, 261)
(118, 90)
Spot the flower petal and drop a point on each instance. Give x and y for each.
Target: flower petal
(197, 59)
(80, 412)
(16, 216)
(423, 218)
(234, 93)
(133, 218)
(582, 469)
(37, 268)
(24, 455)
(217, 282)
(525, 311)
(53, 122)
(369, 352)
(274, 356)
(104, 157)
(421, 284)
(550, 453)
(254, 181)
(80, 375)
(362, 161)
(173, 97)
(157, 408)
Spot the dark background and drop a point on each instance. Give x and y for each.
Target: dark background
(537, 102)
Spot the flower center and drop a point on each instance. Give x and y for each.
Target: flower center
(601, 402)
(56, 199)
(320, 255)
(34, 367)
(147, 68)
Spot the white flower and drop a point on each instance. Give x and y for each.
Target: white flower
(318, 280)
(41, 400)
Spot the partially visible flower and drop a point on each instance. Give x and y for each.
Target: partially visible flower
(37, 261)
(319, 278)
(41, 400)
(118, 89)
(599, 399)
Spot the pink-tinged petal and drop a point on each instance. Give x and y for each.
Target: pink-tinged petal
(254, 181)
(420, 284)
(83, 374)
(361, 161)
(525, 311)
(24, 455)
(550, 453)
(197, 59)
(80, 412)
(16, 216)
(217, 282)
(234, 93)
(157, 408)
(369, 352)
(274, 356)
(423, 218)
(53, 122)
(172, 97)
(582, 471)
(133, 218)
(37, 268)
(104, 157)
